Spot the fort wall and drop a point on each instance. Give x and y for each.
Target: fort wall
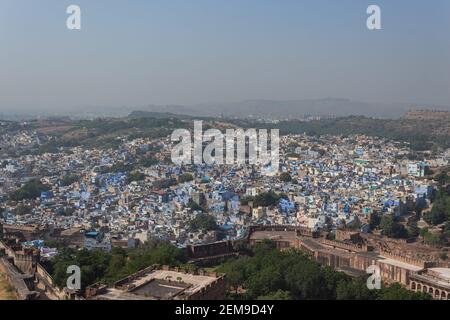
(17, 280)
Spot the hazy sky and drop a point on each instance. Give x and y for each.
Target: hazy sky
(140, 52)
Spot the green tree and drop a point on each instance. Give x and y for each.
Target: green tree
(30, 190)
(66, 211)
(136, 176)
(194, 206)
(148, 162)
(443, 178)
(267, 199)
(434, 239)
(69, 179)
(185, 177)
(277, 295)
(285, 177)
(203, 221)
(423, 232)
(392, 228)
(441, 208)
(397, 292)
(353, 290)
(375, 220)
(99, 266)
(355, 225)
(413, 230)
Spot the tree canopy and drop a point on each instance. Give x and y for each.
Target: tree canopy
(30, 190)
(291, 274)
(185, 177)
(100, 266)
(203, 221)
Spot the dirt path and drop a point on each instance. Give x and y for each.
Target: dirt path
(6, 292)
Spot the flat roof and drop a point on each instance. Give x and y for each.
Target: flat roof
(443, 272)
(117, 294)
(273, 235)
(161, 289)
(400, 264)
(161, 284)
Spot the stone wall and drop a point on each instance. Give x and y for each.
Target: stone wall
(213, 291)
(413, 261)
(208, 250)
(44, 281)
(345, 246)
(17, 280)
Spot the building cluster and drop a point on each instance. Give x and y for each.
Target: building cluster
(100, 198)
(332, 182)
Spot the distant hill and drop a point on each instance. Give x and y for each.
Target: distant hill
(422, 129)
(156, 115)
(428, 115)
(292, 109)
(258, 108)
(420, 134)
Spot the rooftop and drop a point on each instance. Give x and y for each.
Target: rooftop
(273, 235)
(400, 264)
(159, 284)
(441, 272)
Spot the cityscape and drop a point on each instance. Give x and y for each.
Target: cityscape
(267, 199)
(345, 201)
